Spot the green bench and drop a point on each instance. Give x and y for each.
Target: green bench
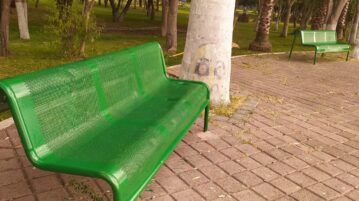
(322, 40)
(116, 117)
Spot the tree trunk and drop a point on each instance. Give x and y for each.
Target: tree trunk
(21, 10)
(171, 43)
(106, 3)
(207, 55)
(259, 7)
(341, 22)
(306, 13)
(261, 42)
(151, 9)
(287, 18)
(37, 3)
(338, 6)
(355, 53)
(99, 2)
(140, 3)
(164, 18)
(279, 15)
(4, 27)
(115, 9)
(354, 29)
(158, 5)
(86, 11)
(134, 4)
(320, 14)
(124, 11)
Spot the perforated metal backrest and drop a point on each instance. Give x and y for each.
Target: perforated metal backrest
(318, 36)
(59, 104)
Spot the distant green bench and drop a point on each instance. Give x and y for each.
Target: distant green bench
(116, 117)
(323, 40)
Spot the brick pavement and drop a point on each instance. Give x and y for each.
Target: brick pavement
(295, 138)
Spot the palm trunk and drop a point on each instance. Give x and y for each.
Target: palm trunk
(171, 43)
(208, 48)
(287, 18)
(21, 10)
(261, 42)
(338, 7)
(4, 27)
(354, 29)
(341, 22)
(164, 18)
(320, 14)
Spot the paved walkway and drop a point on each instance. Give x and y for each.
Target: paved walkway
(295, 138)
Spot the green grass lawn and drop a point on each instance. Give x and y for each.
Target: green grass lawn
(38, 53)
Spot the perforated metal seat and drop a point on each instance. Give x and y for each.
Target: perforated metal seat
(323, 41)
(116, 117)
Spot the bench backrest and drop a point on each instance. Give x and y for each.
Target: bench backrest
(57, 105)
(318, 36)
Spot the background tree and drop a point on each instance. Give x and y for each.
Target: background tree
(342, 21)
(86, 12)
(21, 10)
(208, 47)
(121, 17)
(165, 8)
(171, 42)
(4, 27)
(306, 13)
(261, 42)
(354, 28)
(320, 13)
(289, 4)
(278, 14)
(338, 6)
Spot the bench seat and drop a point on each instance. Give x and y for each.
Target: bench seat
(116, 117)
(330, 47)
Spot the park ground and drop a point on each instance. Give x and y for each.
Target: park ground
(294, 138)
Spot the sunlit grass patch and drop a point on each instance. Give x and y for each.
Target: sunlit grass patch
(229, 110)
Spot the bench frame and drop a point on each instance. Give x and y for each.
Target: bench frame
(316, 49)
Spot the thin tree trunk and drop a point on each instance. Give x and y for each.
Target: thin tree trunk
(207, 55)
(106, 3)
(261, 42)
(287, 18)
(320, 14)
(140, 2)
(99, 2)
(21, 10)
(355, 53)
(4, 27)
(158, 5)
(338, 6)
(164, 18)
(87, 7)
(354, 29)
(37, 3)
(171, 43)
(259, 7)
(134, 4)
(279, 15)
(341, 22)
(124, 11)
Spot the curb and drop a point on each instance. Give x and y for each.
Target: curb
(6, 123)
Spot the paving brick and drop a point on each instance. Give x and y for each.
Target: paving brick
(187, 195)
(278, 154)
(263, 158)
(198, 161)
(301, 179)
(58, 194)
(11, 177)
(265, 173)
(33, 172)
(164, 172)
(263, 145)
(285, 185)
(294, 150)
(305, 195)
(323, 191)
(6, 154)
(338, 185)
(16, 190)
(230, 185)
(329, 169)
(342, 199)
(316, 174)
(172, 184)
(213, 172)
(215, 156)
(26, 198)
(46, 183)
(232, 153)
(249, 163)
(354, 195)
(210, 191)
(268, 191)
(247, 149)
(281, 168)
(342, 165)
(323, 156)
(9, 164)
(296, 163)
(218, 144)
(185, 150)
(248, 178)
(248, 195)
(152, 190)
(203, 147)
(308, 158)
(349, 179)
(194, 177)
(231, 167)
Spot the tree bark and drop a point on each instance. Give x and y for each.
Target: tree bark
(164, 17)
(338, 6)
(21, 10)
(140, 3)
(341, 22)
(158, 5)
(106, 3)
(306, 13)
(287, 18)
(261, 42)
(355, 53)
(115, 9)
(279, 15)
(124, 11)
(4, 27)
(171, 43)
(134, 4)
(86, 11)
(354, 29)
(207, 55)
(320, 14)
(37, 3)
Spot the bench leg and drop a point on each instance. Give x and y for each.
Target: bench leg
(315, 57)
(348, 56)
(206, 113)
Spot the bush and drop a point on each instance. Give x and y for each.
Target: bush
(67, 26)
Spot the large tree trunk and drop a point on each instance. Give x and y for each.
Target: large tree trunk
(355, 53)
(208, 48)
(4, 27)
(338, 6)
(261, 42)
(354, 29)
(164, 17)
(151, 9)
(86, 11)
(287, 18)
(171, 43)
(124, 11)
(306, 13)
(320, 14)
(21, 10)
(341, 22)
(115, 9)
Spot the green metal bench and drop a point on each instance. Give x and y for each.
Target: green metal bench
(116, 117)
(323, 40)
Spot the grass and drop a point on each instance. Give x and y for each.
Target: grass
(38, 53)
(229, 110)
